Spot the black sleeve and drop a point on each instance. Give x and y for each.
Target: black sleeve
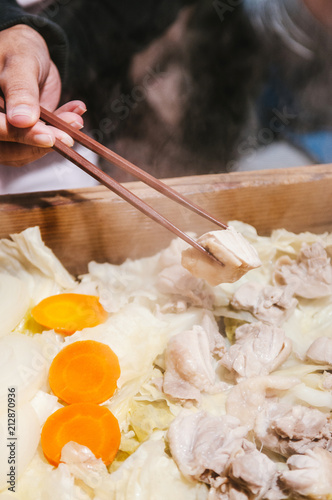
(12, 14)
(132, 23)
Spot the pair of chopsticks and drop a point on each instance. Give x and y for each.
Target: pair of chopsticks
(98, 174)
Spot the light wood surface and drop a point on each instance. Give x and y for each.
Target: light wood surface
(94, 224)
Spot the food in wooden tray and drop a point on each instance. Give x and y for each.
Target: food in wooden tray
(203, 392)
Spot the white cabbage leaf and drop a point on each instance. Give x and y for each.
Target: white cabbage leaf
(22, 366)
(116, 285)
(27, 257)
(291, 243)
(41, 481)
(150, 473)
(14, 302)
(303, 394)
(44, 405)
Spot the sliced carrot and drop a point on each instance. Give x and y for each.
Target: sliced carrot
(68, 312)
(87, 424)
(84, 371)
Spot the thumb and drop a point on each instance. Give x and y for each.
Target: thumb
(21, 91)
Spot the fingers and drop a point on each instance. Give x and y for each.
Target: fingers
(18, 153)
(77, 107)
(39, 135)
(74, 120)
(29, 78)
(25, 63)
(50, 89)
(72, 112)
(21, 95)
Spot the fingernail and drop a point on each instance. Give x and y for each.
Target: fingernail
(67, 140)
(77, 125)
(80, 110)
(43, 140)
(22, 110)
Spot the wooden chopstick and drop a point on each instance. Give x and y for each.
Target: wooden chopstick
(125, 165)
(98, 174)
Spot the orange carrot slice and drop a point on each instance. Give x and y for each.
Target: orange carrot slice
(84, 371)
(68, 312)
(87, 424)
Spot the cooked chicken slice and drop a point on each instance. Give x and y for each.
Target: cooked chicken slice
(189, 367)
(310, 474)
(320, 351)
(216, 340)
(189, 362)
(303, 422)
(310, 276)
(259, 349)
(293, 430)
(269, 304)
(202, 444)
(235, 253)
(255, 472)
(214, 450)
(181, 285)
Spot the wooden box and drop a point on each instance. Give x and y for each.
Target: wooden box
(94, 224)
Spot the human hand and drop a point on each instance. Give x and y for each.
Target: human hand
(28, 79)
(322, 10)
